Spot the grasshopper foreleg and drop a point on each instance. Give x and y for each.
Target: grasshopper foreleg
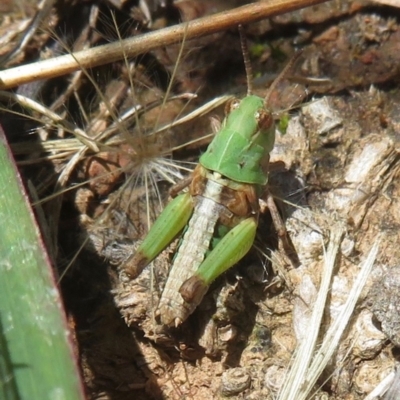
(182, 184)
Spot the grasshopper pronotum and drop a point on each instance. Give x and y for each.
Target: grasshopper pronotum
(219, 214)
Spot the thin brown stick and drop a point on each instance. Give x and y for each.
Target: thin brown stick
(140, 44)
(281, 76)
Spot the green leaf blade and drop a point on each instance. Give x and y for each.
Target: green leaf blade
(36, 360)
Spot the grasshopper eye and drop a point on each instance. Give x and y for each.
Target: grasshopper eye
(264, 119)
(231, 105)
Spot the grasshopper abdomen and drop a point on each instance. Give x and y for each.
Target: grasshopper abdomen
(220, 206)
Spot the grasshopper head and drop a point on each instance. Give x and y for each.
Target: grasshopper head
(240, 151)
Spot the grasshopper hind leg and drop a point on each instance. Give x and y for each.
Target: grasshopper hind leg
(167, 226)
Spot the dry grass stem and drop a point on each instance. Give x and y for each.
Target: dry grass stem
(141, 44)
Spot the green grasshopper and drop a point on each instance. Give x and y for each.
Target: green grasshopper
(219, 214)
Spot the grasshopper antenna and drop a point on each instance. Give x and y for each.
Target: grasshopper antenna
(246, 59)
(282, 76)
